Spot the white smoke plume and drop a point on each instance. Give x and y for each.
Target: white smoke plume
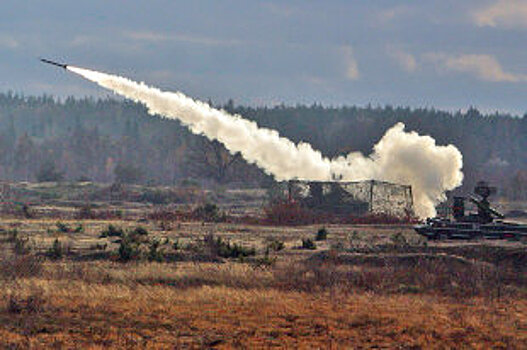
(401, 157)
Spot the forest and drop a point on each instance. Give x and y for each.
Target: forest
(110, 140)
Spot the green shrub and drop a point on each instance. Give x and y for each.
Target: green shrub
(56, 251)
(399, 240)
(322, 234)
(79, 228)
(112, 231)
(128, 249)
(140, 231)
(264, 262)
(154, 254)
(354, 241)
(308, 243)
(209, 212)
(176, 245)
(26, 212)
(237, 251)
(275, 245)
(155, 197)
(62, 227)
(12, 235)
(20, 246)
(225, 249)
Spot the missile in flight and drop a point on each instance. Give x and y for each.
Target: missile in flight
(61, 65)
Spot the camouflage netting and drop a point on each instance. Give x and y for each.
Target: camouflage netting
(355, 198)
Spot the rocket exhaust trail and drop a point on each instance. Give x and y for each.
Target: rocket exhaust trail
(400, 156)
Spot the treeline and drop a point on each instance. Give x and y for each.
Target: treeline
(110, 140)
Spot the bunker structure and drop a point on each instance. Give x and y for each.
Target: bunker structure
(353, 198)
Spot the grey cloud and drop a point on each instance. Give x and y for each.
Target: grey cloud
(394, 13)
(404, 59)
(503, 13)
(293, 52)
(482, 66)
(160, 37)
(8, 41)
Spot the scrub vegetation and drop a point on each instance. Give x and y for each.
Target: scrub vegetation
(143, 281)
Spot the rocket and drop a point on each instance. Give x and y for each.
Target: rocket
(61, 65)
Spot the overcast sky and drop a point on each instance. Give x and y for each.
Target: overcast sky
(444, 54)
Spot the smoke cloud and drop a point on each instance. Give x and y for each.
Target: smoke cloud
(400, 156)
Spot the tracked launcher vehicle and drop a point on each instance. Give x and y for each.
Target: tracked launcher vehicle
(486, 223)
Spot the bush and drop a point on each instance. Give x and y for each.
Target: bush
(176, 245)
(112, 231)
(322, 234)
(399, 240)
(56, 251)
(20, 246)
(236, 251)
(275, 245)
(128, 249)
(164, 226)
(225, 249)
(155, 197)
(209, 212)
(62, 227)
(26, 212)
(154, 254)
(12, 235)
(308, 244)
(31, 304)
(140, 231)
(264, 262)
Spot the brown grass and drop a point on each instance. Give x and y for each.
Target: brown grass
(94, 315)
(376, 290)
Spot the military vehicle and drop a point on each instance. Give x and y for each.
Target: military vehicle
(485, 223)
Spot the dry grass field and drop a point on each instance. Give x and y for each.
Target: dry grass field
(75, 313)
(172, 284)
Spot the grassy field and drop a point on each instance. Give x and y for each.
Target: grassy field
(363, 286)
(79, 313)
(126, 275)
